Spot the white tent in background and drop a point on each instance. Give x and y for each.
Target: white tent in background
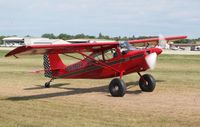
(18, 41)
(13, 41)
(43, 41)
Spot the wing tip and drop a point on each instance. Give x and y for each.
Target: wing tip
(7, 55)
(16, 51)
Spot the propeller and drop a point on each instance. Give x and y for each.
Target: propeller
(151, 59)
(162, 42)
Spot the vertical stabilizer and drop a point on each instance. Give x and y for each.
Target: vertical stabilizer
(52, 62)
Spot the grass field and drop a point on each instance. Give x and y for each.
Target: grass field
(78, 103)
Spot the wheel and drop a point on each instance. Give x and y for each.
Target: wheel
(117, 87)
(147, 83)
(47, 85)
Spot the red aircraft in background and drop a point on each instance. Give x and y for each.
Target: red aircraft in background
(100, 60)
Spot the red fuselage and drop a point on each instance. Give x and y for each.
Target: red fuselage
(126, 62)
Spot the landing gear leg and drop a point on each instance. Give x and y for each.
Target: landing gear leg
(47, 84)
(139, 74)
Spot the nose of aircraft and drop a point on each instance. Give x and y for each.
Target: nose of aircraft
(158, 51)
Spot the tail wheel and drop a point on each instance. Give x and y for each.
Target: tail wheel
(117, 88)
(47, 85)
(147, 83)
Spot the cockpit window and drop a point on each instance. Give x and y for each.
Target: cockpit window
(105, 55)
(98, 56)
(127, 46)
(109, 54)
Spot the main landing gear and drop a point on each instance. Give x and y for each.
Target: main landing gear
(117, 87)
(147, 83)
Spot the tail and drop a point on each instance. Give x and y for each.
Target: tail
(52, 64)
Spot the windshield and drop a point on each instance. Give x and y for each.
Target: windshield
(127, 46)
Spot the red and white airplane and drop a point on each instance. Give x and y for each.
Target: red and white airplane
(104, 60)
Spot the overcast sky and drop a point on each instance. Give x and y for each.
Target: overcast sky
(110, 17)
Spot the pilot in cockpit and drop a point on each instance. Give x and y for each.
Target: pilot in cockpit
(126, 47)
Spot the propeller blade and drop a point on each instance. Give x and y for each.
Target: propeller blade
(162, 42)
(151, 60)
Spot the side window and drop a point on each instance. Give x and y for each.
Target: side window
(103, 56)
(109, 54)
(97, 56)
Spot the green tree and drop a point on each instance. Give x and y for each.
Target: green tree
(65, 36)
(49, 35)
(78, 36)
(125, 38)
(1, 39)
(91, 37)
(106, 37)
(183, 41)
(28, 36)
(100, 36)
(117, 38)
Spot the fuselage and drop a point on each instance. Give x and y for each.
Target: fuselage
(98, 65)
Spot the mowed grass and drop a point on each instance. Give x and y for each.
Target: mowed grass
(24, 102)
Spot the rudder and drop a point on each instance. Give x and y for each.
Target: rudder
(51, 63)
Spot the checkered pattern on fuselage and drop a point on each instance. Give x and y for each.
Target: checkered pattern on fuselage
(47, 66)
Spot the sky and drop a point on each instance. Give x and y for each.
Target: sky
(110, 17)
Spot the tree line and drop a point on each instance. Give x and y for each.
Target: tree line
(106, 37)
(64, 36)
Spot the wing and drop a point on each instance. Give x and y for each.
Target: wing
(156, 40)
(75, 48)
(61, 48)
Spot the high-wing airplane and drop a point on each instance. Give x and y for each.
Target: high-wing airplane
(100, 60)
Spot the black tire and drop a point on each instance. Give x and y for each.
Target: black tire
(47, 85)
(149, 84)
(117, 88)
